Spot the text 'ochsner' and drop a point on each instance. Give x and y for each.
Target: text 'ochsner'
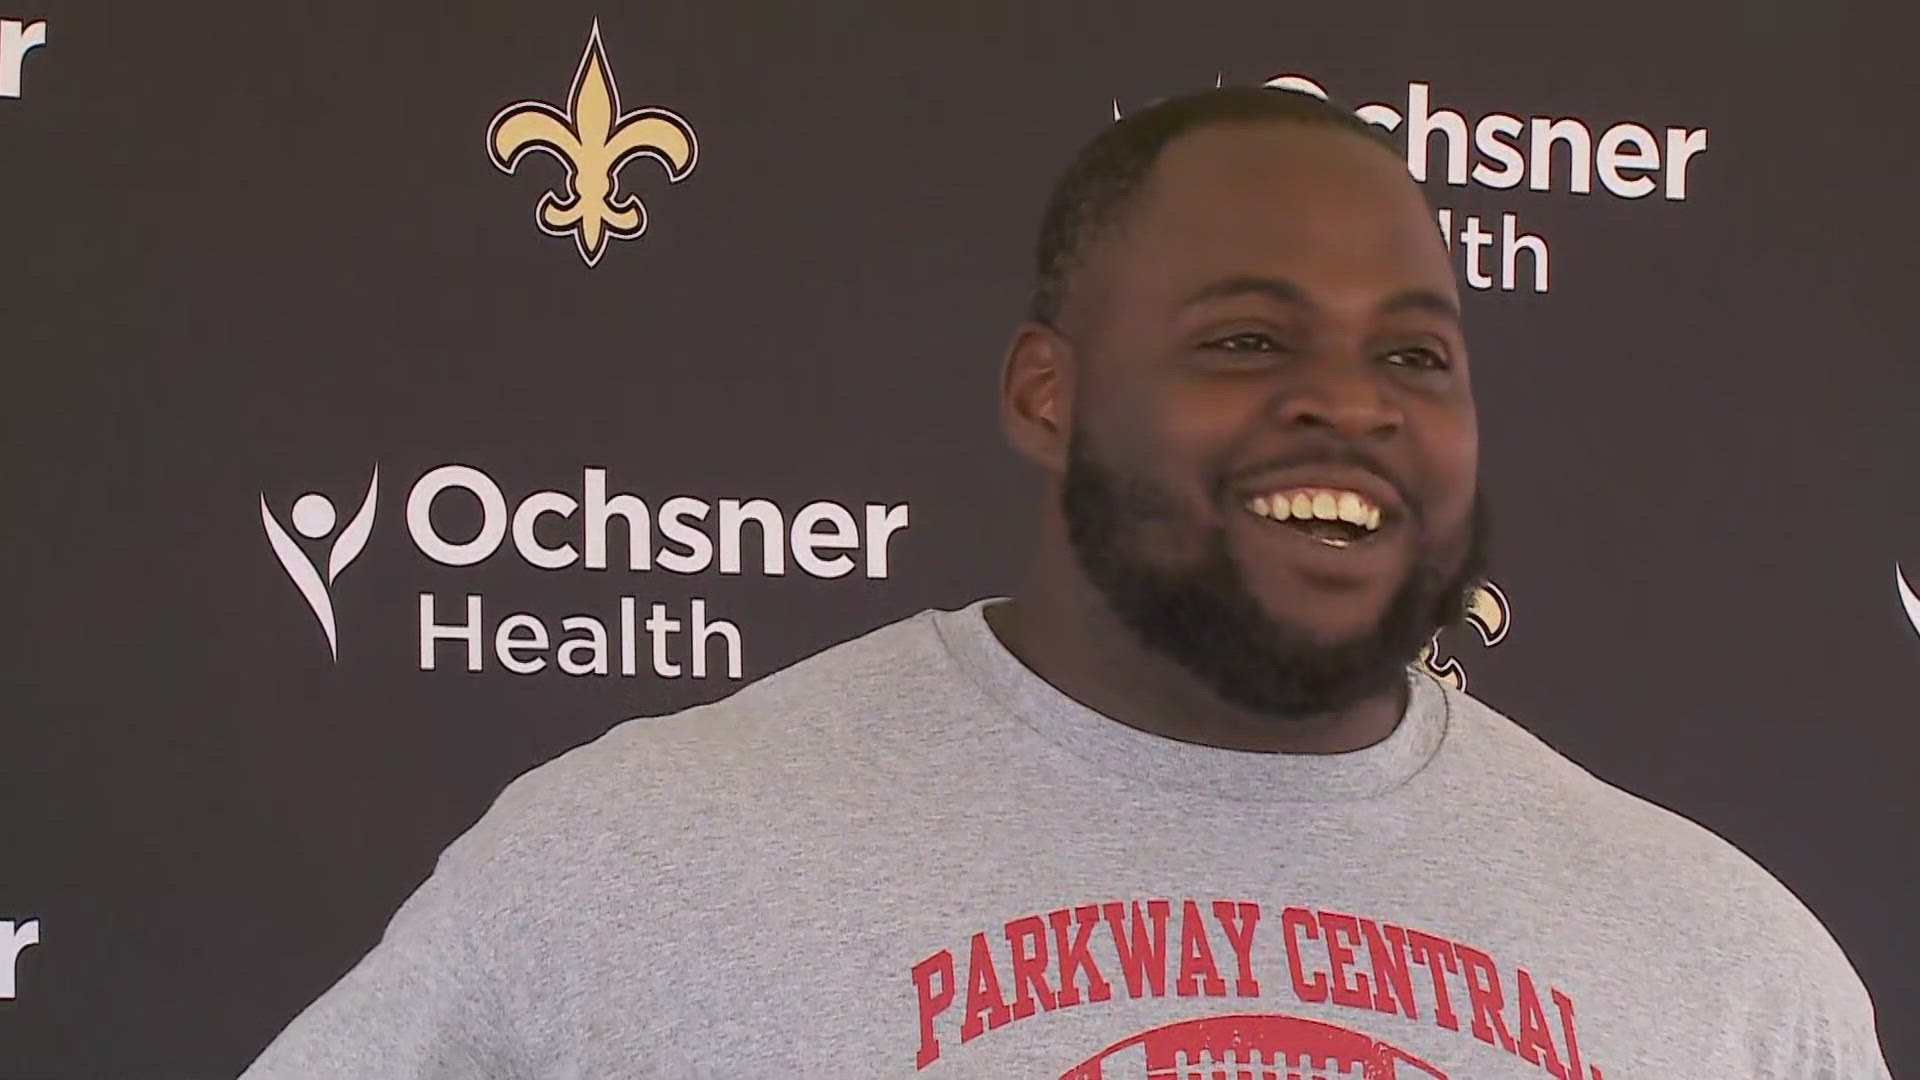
(554, 530)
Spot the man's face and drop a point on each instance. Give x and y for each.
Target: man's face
(1273, 325)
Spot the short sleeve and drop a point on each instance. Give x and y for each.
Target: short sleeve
(423, 1004)
(1824, 1028)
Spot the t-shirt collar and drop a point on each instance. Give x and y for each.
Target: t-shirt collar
(1158, 761)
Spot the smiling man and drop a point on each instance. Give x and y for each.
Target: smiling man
(1182, 806)
(1246, 365)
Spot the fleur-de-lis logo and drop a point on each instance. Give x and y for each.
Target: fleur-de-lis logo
(1487, 612)
(594, 140)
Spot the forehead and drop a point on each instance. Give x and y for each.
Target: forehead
(1316, 205)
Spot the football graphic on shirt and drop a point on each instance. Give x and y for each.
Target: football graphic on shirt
(1251, 1047)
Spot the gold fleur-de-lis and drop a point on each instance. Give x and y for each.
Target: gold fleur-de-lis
(1487, 612)
(594, 140)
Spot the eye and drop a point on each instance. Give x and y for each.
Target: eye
(1419, 358)
(1246, 341)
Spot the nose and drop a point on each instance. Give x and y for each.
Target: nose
(1345, 394)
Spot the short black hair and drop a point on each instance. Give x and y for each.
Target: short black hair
(1108, 171)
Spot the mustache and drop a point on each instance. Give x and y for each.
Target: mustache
(1345, 454)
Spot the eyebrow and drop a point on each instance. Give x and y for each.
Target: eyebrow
(1287, 292)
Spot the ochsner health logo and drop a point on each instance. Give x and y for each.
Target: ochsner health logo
(314, 518)
(587, 525)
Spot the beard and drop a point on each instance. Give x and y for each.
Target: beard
(1205, 616)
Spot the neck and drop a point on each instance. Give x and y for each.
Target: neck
(1059, 625)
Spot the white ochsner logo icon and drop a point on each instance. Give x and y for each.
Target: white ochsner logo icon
(594, 140)
(1907, 599)
(314, 518)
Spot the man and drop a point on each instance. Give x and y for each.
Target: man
(1182, 807)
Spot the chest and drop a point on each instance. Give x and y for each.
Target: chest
(1232, 976)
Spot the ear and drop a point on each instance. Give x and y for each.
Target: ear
(1036, 394)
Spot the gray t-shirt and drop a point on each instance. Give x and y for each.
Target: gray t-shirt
(910, 856)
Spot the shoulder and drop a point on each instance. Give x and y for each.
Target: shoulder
(841, 692)
(1688, 886)
(1612, 827)
(709, 768)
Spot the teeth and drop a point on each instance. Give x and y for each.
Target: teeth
(1318, 504)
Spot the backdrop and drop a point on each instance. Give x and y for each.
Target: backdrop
(351, 472)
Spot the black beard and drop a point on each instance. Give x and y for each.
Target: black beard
(1206, 618)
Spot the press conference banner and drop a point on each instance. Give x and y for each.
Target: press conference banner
(399, 394)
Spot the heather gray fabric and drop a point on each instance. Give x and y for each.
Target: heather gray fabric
(910, 856)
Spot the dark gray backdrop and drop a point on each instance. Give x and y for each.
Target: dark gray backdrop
(253, 249)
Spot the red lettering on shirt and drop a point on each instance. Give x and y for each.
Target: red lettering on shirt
(1074, 973)
(1027, 939)
(1436, 952)
(1074, 954)
(1392, 978)
(1564, 1006)
(932, 1001)
(1142, 957)
(1536, 1042)
(1294, 922)
(1483, 991)
(1237, 920)
(1197, 969)
(1340, 955)
(986, 1007)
